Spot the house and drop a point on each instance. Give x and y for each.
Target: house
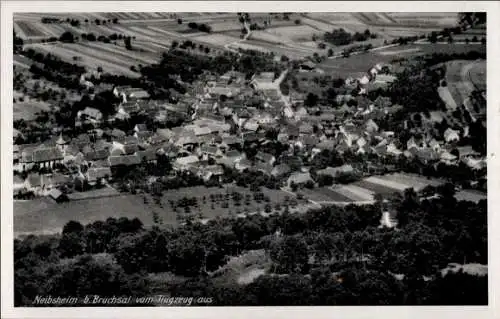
(211, 172)
(426, 155)
(264, 168)
(165, 133)
(230, 142)
(299, 179)
(230, 158)
(116, 133)
(18, 184)
(291, 131)
(57, 195)
(128, 145)
(91, 114)
(140, 128)
(96, 155)
(143, 136)
(148, 155)
(250, 125)
(209, 151)
(434, 145)
(265, 158)
(263, 81)
(95, 174)
(249, 137)
(325, 145)
(447, 157)
(281, 170)
(466, 151)
(186, 139)
(393, 150)
(307, 66)
(451, 135)
(126, 109)
(307, 142)
(411, 143)
(183, 163)
(124, 160)
(47, 157)
(38, 182)
(371, 126)
(306, 128)
(243, 164)
(335, 171)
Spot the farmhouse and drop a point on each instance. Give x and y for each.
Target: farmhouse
(299, 179)
(307, 66)
(263, 81)
(45, 157)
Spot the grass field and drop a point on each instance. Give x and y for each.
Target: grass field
(357, 65)
(44, 215)
(462, 78)
(92, 58)
(365, 189)
(28, 110)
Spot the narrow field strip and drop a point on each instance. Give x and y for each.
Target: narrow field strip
(345, 191)
(364, 193)
(388, 183)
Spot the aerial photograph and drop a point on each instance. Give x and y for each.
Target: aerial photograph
(249, 159)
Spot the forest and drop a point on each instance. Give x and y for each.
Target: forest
(328, 256)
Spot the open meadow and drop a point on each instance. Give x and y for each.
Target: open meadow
(44, 215)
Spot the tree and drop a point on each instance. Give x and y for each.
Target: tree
(72, 227)
(330, 52)
(128, 43)
(311, 100)
(67, 37)
(179, 21)
(433, 37)
(71, 244)
(297, 21)
(290, 254)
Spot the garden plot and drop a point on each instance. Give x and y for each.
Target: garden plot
(331, 194)
(215, 39)
(460, 79)
(28, 29)
(293, 33)
(406, 180)
(384, 182)
(375, 187)
(346, 191)
(471, 195)
(140, 57)
(91, 59)
(445, 95)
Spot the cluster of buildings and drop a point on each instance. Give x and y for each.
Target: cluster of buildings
(226, 116)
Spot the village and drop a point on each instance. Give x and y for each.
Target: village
(265, 158)
(235, 126)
